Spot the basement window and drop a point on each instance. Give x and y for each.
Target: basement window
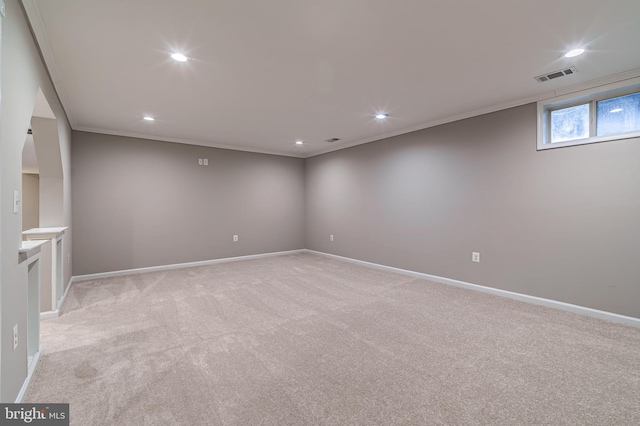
(607, 114)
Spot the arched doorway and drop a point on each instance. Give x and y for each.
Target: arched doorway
(43, 193)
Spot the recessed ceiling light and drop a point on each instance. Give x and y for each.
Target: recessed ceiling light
(298, 142)
(179, 57)
(381, 116)
(574, 52)
(148, 118)
(616, 110)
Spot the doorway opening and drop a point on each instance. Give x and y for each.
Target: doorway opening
(43, 199)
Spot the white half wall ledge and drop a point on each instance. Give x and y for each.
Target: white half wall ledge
(594, 313)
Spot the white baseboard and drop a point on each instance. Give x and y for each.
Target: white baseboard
(64, 295)
(32, 369)
(56, 313)
(89, 277)
(608, 316)
(49, 314)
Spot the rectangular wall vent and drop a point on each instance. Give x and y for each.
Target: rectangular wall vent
(332, 140)
(556, 74)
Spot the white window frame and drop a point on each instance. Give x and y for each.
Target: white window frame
(590, 96)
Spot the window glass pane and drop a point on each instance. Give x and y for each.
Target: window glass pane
(570, 123)
(618, 115)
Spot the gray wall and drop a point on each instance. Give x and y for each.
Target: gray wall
(30, 201)
(140, 203)
(22, 73)
(562, 224)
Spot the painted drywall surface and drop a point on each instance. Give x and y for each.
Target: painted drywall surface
(30, 201)
(21, 74)
(560, 224)
(140, 203)
(45, 137)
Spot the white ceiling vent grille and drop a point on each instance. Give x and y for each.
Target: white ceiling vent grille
(332, 140)
(556, 74)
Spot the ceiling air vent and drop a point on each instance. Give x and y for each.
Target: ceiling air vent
(332, 140)
(556, 74)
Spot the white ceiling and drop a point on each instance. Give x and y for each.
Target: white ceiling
(263, 74)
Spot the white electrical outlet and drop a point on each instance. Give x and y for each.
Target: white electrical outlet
(235, 238)
(200, 161)
(16, 201)
(331, 237)
(475, 256)
(15, 337)
(206, 161)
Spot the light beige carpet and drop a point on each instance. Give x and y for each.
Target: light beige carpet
(308, 340)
